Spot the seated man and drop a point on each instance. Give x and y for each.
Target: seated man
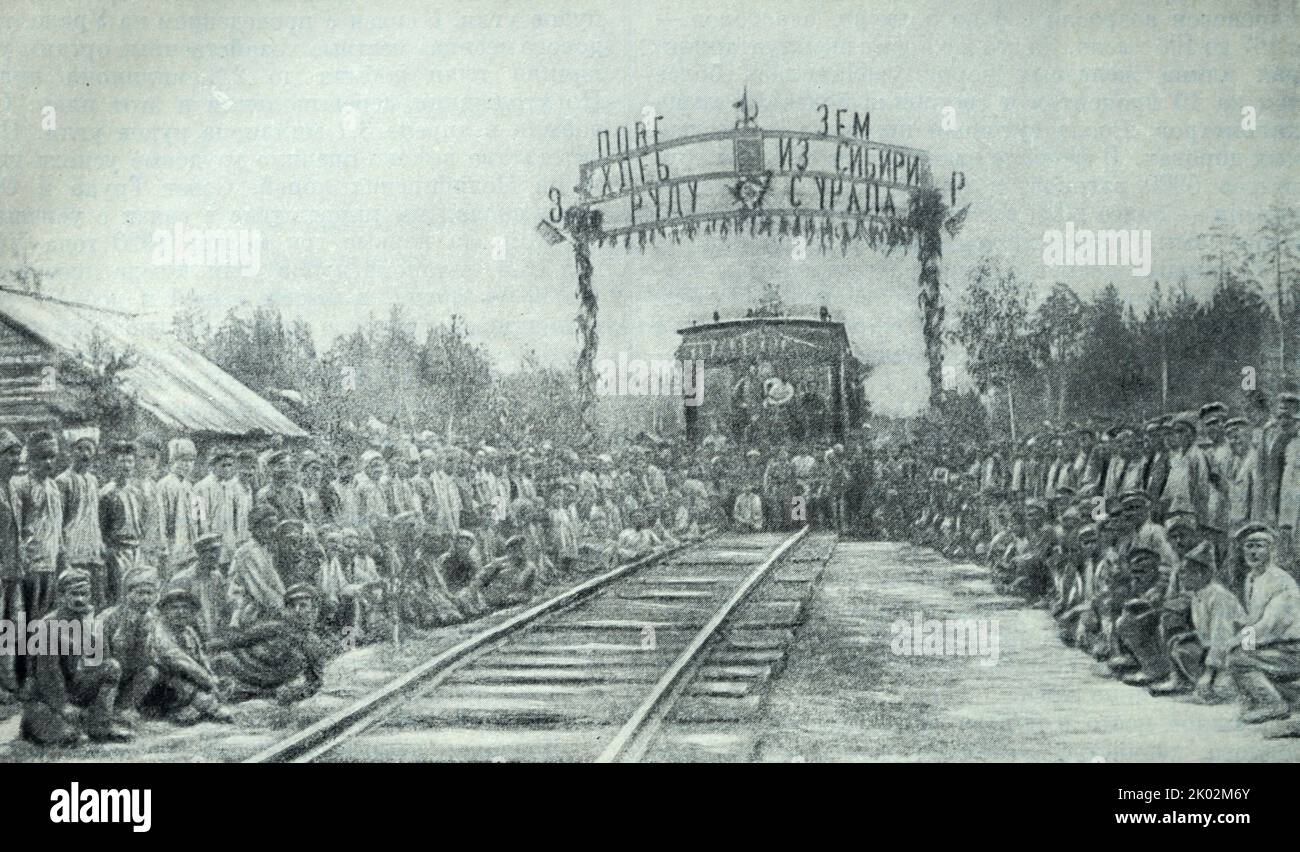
(1200, 656)
(187, 688)
(508, 580)
(206, 582)
(426, 601)
(748, 511)
(1079, 589)
(128, 633)
(460, 565)
(70, 697)
(1137, 628)
(636, 542)
(280, 657)
(1267, 651)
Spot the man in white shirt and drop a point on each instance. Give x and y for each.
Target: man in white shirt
(1268, 646)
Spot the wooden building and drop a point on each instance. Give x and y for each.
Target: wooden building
(51, 351)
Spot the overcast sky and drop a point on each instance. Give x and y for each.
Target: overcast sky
(398, 151)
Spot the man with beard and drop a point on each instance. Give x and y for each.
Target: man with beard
(371, 505)
(70, 696)
(310, 468)
(445, 505)
(38, 505)
(281, 657)
(461, 564)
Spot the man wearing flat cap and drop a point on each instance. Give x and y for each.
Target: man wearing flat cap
(1137, 628)
(38, 505)
(72, 693)
(1267, 649)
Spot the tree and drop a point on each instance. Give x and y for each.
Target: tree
(992, 326)
(1055, 335)
(1277, 253)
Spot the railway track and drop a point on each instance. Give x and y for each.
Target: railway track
(604, 672)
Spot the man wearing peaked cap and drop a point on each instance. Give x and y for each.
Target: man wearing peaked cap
(1200, 653)
(1267, 651)
(220, 505)
(71, 693)
(1187, 487)
(187, 688)
(280, 657)
(1137, 629)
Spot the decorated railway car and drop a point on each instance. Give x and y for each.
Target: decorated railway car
(774, 379)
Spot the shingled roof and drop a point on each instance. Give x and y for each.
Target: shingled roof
(177, 385)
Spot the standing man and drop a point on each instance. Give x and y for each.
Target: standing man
(282, 492)
(82, 541)
(340, 499)
(121, 518)
(39, 507)
(1187, 489)
(12, 607)
(148, 460)
(176, 504)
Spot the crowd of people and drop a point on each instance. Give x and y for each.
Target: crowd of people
(240, 573)
(1165, 549)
